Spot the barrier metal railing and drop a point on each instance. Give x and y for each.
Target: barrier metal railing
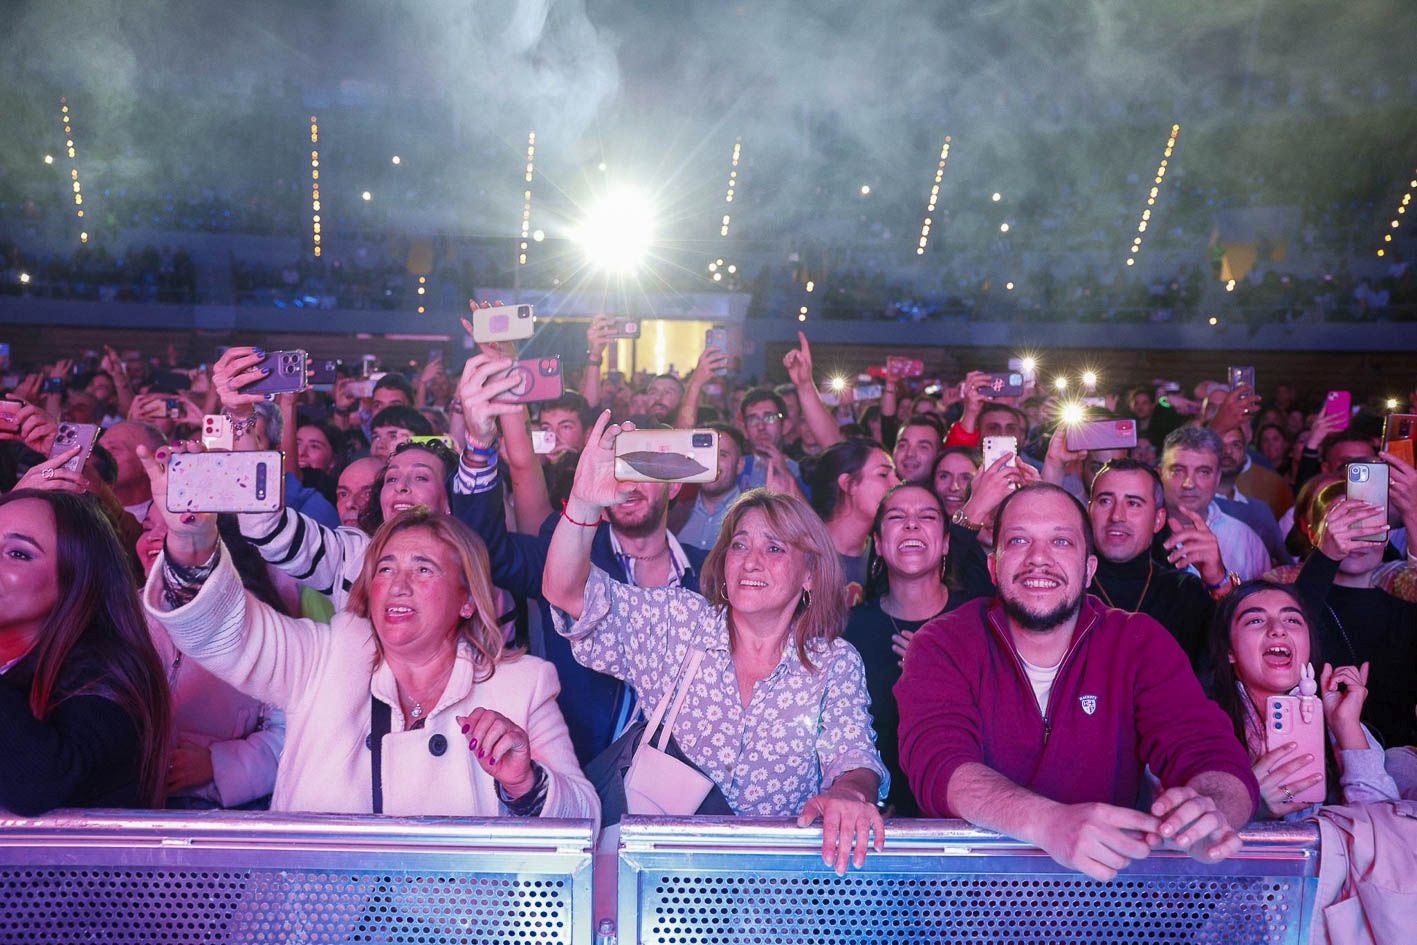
(715, 881)
(228, 877)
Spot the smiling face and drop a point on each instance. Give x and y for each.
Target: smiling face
(954, 475)
(1040, 562)
(912, 538)
(641, 508)
(29, 569)
(1124, 514)
(149, 544)
(765, 575)
(1269, 643)
(915, 452)
(413, 477)
(416, 594)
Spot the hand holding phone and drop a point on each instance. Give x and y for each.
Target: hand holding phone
(501, 323)
(1235, 376)
(997, 446)
(1400, 436)
(1338, 404)
(70, 435)
(250, 481)
(624, 328)
(538, 379)
(1101, 435)
(1367, 482)
(904, 367)
(1299, 721)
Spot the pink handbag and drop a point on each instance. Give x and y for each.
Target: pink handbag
(656, 782)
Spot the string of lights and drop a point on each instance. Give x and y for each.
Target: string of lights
(934, 199)
(1155, 190)
(67, 120)
(315, 185)
(732, 185)
(1401, 210)
(526, 196)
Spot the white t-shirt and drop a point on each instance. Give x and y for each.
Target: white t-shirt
(1041, 678)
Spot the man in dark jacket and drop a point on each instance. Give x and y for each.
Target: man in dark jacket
(1035, 713)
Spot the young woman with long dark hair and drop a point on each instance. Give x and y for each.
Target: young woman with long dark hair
(84, 713)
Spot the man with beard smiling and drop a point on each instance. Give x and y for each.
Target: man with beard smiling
(632, 545)
(1035, 713)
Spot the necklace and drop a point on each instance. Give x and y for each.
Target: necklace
(1150, 572)
(1347, 641)
(658, 554)
(416, 710)
(895, 626)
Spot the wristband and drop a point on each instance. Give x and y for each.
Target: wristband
(567, 516)
(241, 427)
(1224, 586)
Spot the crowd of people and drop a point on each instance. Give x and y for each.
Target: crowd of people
(460, 606)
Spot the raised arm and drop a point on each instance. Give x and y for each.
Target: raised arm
(710, 361)
(597, 340)
(823, 425)
(593, 490)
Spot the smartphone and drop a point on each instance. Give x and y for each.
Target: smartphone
(1400, 435)
(503, 323)
(360, 389)
(52, 385)
(904, 367)
(625, 328)
(367, 364)
(216, 432)
(287, 374)
(1102, 435)
(1285, 723)
(1367, 482)
(10, 416)
(1235, 376)
(1008, 384)
(868, 392)
(71, 435)
(434, 354)
(538, 379)
(173, 406)
(542, 442)
(249, 481)
(666, 456)
(996, 446)
(717, 338)
(1339, 405)
(322, 372)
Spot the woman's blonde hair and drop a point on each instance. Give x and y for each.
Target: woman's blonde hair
(480, 630)
(823, 617)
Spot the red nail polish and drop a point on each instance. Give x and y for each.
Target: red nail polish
(479, 753)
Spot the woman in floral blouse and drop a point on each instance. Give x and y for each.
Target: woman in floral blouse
(776, 714)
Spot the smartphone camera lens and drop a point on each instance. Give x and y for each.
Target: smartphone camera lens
(1357, 474)
(702, 441)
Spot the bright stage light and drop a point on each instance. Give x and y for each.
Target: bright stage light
(366, 196)
(538, 235)
(1089, 380)
(996, 196)
(396, 159)
(1009, 286)
(837, 384)
(616, 234)
(1003, 227)
(1072, 414)
(49, 159)
(1213, 321)
(24, 278)
(1392, 403)
(865, 190)
(1061, 383)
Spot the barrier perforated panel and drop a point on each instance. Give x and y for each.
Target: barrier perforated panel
(143, 907)
(745, 882)
(679, 908)
(252, 880)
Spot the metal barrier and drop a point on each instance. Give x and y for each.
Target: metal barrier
(226, 877)
(715, 881)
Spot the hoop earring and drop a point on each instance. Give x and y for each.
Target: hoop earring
(878, 565)
(806, 600)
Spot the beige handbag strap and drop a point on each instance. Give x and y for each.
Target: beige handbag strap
(687, 671)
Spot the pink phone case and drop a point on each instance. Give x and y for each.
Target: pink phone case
(1284, 723)
(1339, 403)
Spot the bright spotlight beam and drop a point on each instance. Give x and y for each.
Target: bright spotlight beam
(617, 232)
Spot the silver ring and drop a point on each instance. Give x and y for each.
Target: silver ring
(1288, 794)
(48, 473)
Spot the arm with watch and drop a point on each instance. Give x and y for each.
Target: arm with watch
(597, 340)
(1191, 544)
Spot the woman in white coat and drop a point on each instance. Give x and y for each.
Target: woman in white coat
(470, 729)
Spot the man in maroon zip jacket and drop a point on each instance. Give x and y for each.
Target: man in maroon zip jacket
(1034, 713)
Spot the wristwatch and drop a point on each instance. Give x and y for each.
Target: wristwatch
(960, 519)
(1224, 586)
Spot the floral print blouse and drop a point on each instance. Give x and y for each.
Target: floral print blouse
(802, 729)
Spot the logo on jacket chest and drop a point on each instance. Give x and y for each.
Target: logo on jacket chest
(1088, 703)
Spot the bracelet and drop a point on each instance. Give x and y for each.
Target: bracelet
(567, 516)
(241, 427)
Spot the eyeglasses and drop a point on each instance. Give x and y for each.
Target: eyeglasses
(762, 419)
